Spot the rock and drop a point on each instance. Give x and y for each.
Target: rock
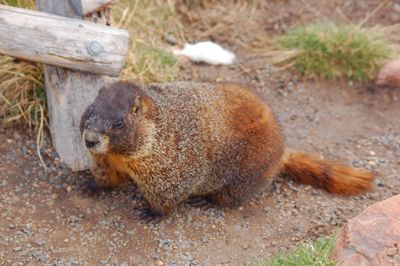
(372, 237)
(171, 40)
(389, 74)
(159, 263)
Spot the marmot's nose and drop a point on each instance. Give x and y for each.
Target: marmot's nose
(91, 144)
(91, 139)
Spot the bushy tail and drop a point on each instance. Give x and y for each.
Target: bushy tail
(331, 176)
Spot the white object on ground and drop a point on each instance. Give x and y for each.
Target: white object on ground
(207, 52)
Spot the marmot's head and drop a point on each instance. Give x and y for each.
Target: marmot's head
(118, 121)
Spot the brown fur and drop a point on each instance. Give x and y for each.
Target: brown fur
(332, 176)
(188, 139)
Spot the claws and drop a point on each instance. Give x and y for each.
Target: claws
(91, 188)
(200, 202)
(147, 215)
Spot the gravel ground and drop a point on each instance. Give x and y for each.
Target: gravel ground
(46, 221)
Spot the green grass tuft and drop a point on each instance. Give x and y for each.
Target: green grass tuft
(336, 51)
(309, 254)
(164, 58)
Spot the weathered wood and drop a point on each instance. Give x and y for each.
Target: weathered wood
(68, 94)
(74, 8)
(60, 41)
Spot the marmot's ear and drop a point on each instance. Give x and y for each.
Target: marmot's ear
(141, 104)
(137, 104)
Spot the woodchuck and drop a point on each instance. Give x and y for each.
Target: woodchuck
(185, 139)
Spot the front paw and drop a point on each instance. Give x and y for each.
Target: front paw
(201, 202)
(91, 188)
(148, 215)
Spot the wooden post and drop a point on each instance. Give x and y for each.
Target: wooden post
(68, 94)
(54, 40)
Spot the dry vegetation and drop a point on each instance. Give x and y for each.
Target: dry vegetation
(149, 23)
(22, 95)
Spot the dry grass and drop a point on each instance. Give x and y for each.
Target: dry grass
(21, 84)
(149, 22)
(219, 20)
(22, 94)
(392, 34)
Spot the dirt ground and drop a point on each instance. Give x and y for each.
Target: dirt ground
(46, 221)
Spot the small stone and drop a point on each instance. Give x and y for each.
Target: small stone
(27, 172)
(372, 153)
(69, 188)
(3, 183)
(17, 249)
(204, 239)
(171, 39)
(379, 182)
(315, 192)
(9, 141)
(245, 246)
(11, 226)
(40, 242)
(159, 263)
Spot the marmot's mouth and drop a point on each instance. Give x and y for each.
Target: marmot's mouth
(95, 142)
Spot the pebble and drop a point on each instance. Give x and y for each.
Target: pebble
(379, 182)
(159, 263)
(171, 39)
(27, 172)
(3, 183)
(17, 249)
(40, 242)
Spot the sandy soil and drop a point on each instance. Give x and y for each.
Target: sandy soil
(46, 221)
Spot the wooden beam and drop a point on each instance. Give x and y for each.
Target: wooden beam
(59, 41)
(68, 95)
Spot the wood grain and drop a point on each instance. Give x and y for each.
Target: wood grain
(60, 41)
(69, 92)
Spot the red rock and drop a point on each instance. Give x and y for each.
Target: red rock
(389, 74)
(372, 237)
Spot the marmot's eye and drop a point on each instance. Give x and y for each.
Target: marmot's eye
(119, 124)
